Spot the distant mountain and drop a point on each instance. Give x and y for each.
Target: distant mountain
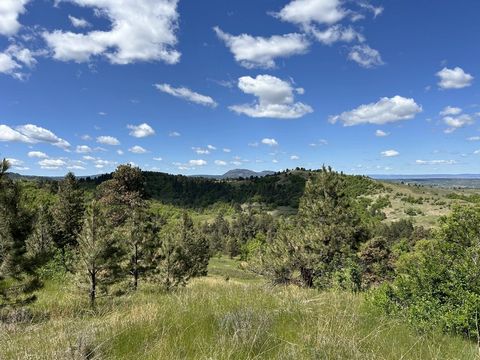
(237, 173)
(245, 173)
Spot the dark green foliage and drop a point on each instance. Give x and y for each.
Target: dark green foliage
(281, 189)
(232, 237)
(438, 283)
(68, 214)
(377, 261)
(123, 193)
(320, 249)
(181, 253)
(139, 232)
(99, 252)
(41, 244)
(17, 269)
(196, 247)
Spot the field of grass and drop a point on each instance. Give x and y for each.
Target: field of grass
(230, 314)
(428, 203)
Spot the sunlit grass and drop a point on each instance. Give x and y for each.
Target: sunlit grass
(242, 318)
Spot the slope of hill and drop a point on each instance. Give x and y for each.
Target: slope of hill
(212, 318)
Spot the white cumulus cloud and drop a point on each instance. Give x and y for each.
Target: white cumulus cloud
(141, 30)
(256, 51)
(14, 61)
(108, 140)
(305, 12)
(31, 134)
(449, 110)
(269, 142)
(337, 33)
(52, 164)
(10, 10)
(384, 111)
(455, 78)
(137, 150)
(390, 153)
(197, 162)
(456, 122)
(275, 98)
(37, 154)
(141, 131)
(381, 133)
(83, 149)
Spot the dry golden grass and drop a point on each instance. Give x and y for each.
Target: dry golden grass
(212, 318)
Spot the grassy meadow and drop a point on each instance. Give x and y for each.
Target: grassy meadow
(230, 314)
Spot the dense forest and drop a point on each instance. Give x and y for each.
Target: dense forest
(118, 233)
(280, 189)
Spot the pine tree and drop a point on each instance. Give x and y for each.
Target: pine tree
(197, 249)
(123, 193)
(68, 215)
(99, 252)
(329, 226)
(140, 234)
(40, 243)
(321, 246)
(181, 254)
(17, 271)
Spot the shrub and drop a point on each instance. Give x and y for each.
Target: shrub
(438, 283)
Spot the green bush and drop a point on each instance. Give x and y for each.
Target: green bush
(438, 283)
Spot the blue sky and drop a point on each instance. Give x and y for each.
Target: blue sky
(201, 87)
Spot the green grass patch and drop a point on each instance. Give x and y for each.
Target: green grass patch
(243, 318)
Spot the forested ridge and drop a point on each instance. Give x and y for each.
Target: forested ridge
(280, 189)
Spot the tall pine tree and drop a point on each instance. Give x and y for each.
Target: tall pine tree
(68, 214)
(99, 252)
(17, 270)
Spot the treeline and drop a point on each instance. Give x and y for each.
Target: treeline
(281, 189)
(113, 239)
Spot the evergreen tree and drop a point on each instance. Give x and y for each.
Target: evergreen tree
(322, 245)
(329, 226)
(197, 250)
(180, 254)
(99, 253)
(17, 271)
(140, 234)
(68, 215)
(123, 193)
(40, 243)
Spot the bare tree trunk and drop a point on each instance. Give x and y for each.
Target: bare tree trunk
(135, 269)
(93, 289)
(307, 276)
